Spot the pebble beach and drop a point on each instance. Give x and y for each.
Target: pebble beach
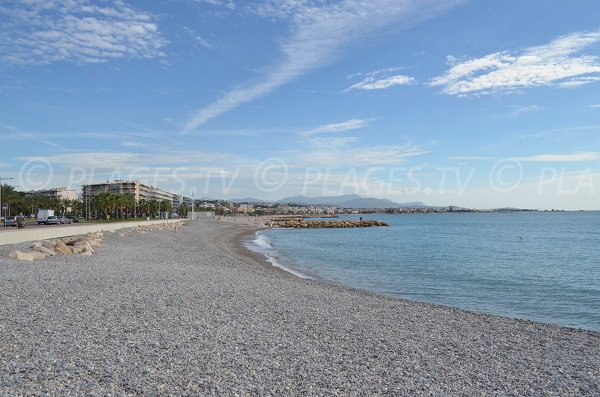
(193, 312)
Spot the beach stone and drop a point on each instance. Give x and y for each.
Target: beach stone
(82, 246)
(61, 247)
(192, 315)
(41, 248)
(27, 256)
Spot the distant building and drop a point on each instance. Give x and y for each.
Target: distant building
(61, 193)
(245, 209)
(181, 199)
(139, 190)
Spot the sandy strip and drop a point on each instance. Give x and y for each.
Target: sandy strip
(193, 313)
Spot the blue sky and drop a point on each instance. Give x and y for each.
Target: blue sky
(471, 103)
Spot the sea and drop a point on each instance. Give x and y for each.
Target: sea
(540, 266)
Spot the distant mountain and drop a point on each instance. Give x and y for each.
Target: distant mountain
(379, 203)
(323, 200)
(248, 200)
(349, 201)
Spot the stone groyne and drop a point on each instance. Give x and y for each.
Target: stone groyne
(300, 223)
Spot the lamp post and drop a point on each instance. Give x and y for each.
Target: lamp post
(1, 203)
(193, 217)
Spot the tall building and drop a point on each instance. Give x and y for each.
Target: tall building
(61, 193)
(181, 199)
(139, 190)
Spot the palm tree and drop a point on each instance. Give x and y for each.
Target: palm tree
(153, 205)
(105, 201)
(78, 207)
(128, 201)
(182, 210)
(166, 206)
(11, 196)
(144, 207)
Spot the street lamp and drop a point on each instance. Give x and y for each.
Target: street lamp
(1, 203)
(193, 217)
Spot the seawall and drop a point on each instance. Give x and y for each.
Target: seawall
(15, 236)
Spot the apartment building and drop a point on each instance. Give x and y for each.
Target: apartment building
(61, 193)
(139, 190)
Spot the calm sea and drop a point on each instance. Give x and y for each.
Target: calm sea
(537, 266)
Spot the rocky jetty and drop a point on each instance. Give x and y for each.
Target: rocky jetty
(300, 223)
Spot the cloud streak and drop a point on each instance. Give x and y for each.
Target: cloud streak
(43, 32)
(562, 158)
(552, 64)
(382, 79)
(526, 110)
(318, 34)
(338, 127)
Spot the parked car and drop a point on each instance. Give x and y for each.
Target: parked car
(64, 220)
(74, 219)
(52, 220)
(10, 221)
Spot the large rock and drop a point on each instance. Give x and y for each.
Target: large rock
(43, 249)
(27, 256)
(82, 247)
(60, 246)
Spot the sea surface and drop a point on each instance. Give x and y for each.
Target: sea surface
(541, 266)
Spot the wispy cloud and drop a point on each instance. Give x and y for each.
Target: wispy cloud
(345, 153)
(339, 152)
(201, 41)
(338, 127)
(319, 31)
(551, 64)
(42, 31)
(220, 3)
(130, 160)
(469, 158)
(579, 81)
(525, 110)
(562, 158)
(382, 79)
(595, 106)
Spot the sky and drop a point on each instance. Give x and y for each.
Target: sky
(450, 102)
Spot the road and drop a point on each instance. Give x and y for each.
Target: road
(35, 225)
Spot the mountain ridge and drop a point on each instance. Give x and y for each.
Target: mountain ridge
(343, 201)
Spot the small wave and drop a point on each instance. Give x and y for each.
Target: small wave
(262, 245)
(263, 241)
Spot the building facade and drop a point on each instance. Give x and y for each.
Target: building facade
(61, 193)
(137, 189)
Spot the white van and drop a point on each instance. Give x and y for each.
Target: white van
(42, 216)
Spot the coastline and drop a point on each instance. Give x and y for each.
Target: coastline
(196, 312)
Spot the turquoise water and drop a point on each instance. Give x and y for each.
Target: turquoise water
(537, 266)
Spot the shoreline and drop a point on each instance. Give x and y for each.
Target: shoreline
(250, 255)
(196, 312)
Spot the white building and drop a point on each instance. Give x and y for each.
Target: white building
(61, 193)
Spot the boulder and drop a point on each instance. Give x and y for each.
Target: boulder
(82, 247)
(60, 246)
(44, 250)
(27, 256)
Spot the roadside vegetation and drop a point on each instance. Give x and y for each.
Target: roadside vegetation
(106, 206)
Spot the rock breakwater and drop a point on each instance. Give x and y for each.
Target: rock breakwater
(314, 224)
